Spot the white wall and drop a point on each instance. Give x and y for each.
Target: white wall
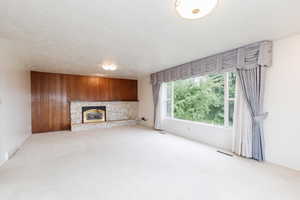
(282, 101)
(212, 135)
(15, 103)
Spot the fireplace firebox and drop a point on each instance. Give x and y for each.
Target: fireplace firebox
(93, 114)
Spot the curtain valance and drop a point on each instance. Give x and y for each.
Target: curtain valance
(246, 57)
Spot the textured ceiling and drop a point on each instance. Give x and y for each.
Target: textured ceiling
(140, 36)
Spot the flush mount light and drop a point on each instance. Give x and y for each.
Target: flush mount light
(194, 9)
(98, 74)
(109, 67)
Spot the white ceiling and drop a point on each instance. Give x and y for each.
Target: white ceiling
(140, 36)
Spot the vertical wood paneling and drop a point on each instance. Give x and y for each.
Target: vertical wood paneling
(109, 89)
(65, 107)
(116, 89)
(52, 94)
(35, 100)
(92, 88)
(102, 86)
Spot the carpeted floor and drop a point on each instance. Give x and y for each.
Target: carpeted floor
(135, 163)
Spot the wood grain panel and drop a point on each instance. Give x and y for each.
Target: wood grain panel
(129, 90)
(103, 89)
(65, 112)
(52, 94)
(44, 117)
(35, 100)
(116, 89)
(93, 88)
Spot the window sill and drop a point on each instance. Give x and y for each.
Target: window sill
(198, 123)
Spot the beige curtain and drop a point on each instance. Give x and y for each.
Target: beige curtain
(156, 90)
(159, 109)
(242, 125)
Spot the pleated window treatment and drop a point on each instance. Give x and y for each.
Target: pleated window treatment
(245, 60)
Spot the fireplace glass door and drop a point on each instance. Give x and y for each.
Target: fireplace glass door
(93, 115)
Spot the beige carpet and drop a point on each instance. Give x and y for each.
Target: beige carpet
(135, 163)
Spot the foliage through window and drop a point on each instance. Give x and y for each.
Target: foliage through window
(208, 99)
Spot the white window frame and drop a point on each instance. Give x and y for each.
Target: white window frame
(166, 99)
(227, 99)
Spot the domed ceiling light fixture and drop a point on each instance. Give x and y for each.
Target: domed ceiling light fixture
(195, 9)
(109, 67)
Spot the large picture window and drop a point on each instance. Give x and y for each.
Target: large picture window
(208, 99)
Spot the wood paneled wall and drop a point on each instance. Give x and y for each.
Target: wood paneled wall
(51, 95)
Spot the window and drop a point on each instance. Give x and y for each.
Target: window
(231, 80)
(208, 99)
(169, 99)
